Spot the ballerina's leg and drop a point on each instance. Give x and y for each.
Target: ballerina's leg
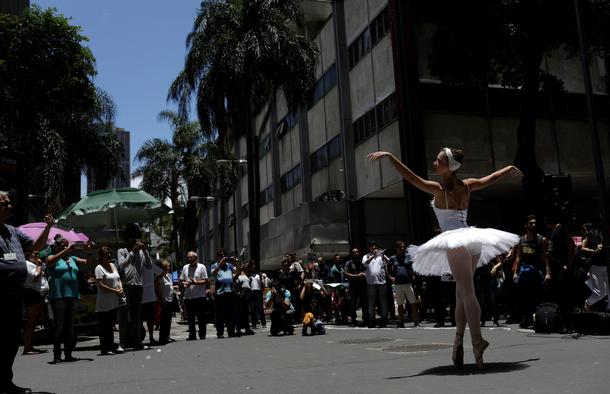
(460, 315)
(460, 262)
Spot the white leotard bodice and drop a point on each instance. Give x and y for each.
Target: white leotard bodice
(450, 219)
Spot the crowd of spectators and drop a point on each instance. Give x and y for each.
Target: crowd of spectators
(365, 288)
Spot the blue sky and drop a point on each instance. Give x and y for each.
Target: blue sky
(139, 48)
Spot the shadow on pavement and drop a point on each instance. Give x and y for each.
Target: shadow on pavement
(471, 369)
(86, 348)
(70, 362)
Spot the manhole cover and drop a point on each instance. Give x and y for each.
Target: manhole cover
(355, 341)
(425, 347)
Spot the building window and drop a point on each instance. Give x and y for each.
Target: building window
(330, 78)
(244, 211)
(375, 119)
(287, 123)
(319, 159)
(290, 179)
(380, 26)
(266, 196)
(359, 48)
(386, 112)
(264, 146)
(326, 154)
(327, 81)
(373, 33)
(334, 148)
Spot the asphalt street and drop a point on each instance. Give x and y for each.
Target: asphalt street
(345, 360)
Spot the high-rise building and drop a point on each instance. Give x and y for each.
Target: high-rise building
(375, 91)
(123, 176)
(14, 6)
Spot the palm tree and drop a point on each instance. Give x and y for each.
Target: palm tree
(239, 54)
(161, 177)
(175, 170)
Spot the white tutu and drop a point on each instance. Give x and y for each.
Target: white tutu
(431, 257)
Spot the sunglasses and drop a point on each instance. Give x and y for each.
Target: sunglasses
(5, 204)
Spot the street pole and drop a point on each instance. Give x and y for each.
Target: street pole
(234, 212)
(597, 156)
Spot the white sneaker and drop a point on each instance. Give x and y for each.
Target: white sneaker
(119, 349)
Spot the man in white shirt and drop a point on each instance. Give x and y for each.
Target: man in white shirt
(375, 266)
(257, 285)
(194, 278)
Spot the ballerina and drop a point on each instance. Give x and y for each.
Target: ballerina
(459, 249)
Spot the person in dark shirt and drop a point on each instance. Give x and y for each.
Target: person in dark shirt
(13, 272)
(560, 254)
(401, 269)
(354, 272)
(530, 268)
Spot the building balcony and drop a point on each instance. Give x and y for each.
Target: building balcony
(317, 10)
(316, 13)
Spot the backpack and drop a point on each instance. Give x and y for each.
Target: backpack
(547, 318)
(320, 329)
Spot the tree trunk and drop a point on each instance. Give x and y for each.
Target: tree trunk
(174, 237)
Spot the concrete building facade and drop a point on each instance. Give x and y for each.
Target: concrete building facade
(14, 7)
(319, 193)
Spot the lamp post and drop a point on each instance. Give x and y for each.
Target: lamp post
(196, 199)
(232, 163)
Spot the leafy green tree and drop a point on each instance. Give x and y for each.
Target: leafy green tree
(478, 43)
(49, 107)
(239, 54)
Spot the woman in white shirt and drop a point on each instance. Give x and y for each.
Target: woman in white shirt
(34, 290)
(166, 293)
(109, 291)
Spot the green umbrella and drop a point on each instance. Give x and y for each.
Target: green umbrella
(112, 208)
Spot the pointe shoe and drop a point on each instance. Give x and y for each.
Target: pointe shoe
(478, 350)
(458, 354)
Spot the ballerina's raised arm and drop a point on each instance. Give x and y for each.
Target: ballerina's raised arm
(422, 184)
(442, 165)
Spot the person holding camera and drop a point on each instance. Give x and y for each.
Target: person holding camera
(13, 273)
(244, 285)
(224, 272)
(166, 291)
(354, 272)
(277, 300)
(257, 285)
(62, 267)
(132, 260)
(109, 292)
(376, 272)
(35, 289)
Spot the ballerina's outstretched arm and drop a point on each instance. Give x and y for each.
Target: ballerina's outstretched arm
(411, 177)
(481, 183)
